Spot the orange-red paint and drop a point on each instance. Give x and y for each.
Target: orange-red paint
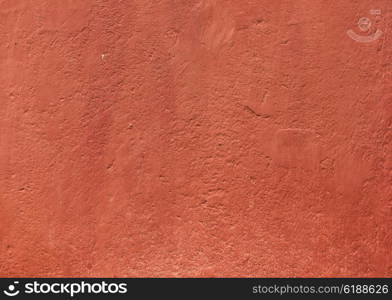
(195, 138)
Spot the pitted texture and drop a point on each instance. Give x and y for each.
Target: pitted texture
(195, 138)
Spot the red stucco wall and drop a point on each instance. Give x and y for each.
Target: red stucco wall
(195, 138)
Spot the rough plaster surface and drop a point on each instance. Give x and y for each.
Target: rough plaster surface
(194, 138)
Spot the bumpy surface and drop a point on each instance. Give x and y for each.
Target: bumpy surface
(195, 138)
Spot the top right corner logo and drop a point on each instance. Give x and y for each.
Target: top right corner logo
(365, 25)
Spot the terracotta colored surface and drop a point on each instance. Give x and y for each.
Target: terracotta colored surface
(195, 138)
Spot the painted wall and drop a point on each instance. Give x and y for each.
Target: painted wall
(195, 138)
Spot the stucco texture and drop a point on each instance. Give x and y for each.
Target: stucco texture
(195, 138)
